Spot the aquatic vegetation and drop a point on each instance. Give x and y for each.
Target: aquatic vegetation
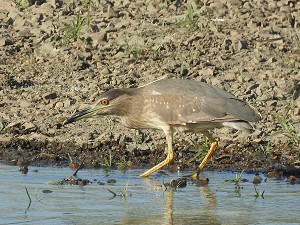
(124, 193)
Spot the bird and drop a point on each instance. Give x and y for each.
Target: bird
(174, 105)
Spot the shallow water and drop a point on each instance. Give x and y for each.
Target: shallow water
(217, 203)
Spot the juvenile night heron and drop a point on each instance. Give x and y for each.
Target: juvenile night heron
(174, 105)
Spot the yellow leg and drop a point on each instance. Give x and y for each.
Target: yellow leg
(169, 158)
(213, 148)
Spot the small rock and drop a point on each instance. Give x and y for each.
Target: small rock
(13, 126)
(242, 44)
(19, 24)
(6, 5)
(24, 104)
(6, 41)
(47, 48)
(50, 96)
(294, 180)
(202, 182)
(275, 174)
(5, 139)
(59, 105)
(67, 103)
(29, 126)
(271, 60)
(257, 179)
(111, 181)
(206, 72)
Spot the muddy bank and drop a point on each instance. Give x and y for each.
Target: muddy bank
(58, 56)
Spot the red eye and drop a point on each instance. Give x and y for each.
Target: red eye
(105, 102)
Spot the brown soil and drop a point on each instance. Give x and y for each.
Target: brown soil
(47, 71)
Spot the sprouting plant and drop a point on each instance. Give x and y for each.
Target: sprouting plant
(201, 151)
(259, 193)
(22, 3)
(107, 160)
(239, 178)
(168, 2)
(137, 51)
(38, 198)
(72, 31)
(124, 193)
(297, 37)
(286, 124)
(133, 46)
(3, 124)
(238, 181)
(183, 71)
(30, 201)
(190, 14)
(288, 130)
(123, 165)
(190, 19)
(266, 149)
(109, 123)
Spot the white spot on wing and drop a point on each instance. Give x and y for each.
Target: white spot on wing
(155, 93)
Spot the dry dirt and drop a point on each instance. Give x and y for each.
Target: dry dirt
(58, 56)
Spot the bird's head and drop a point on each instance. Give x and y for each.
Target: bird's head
(114, 102)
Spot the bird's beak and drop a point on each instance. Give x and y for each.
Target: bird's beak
(85, 113)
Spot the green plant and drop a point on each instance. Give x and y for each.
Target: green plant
(266, 149)
(124, 193)
(109, 123)
(183, 71)
(238, 181)
(123, 165)
(239, 178)
(22, 3)
(137, 51)
(37, 197)
(133, 46)
(190, 20)
(168, 2)
(288, 130)
(258, 193)
(107, 160)
(3, 124)
(72, 31)
(201, 151)
(297, 37)
(286, 124)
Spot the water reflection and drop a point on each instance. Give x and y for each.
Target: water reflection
(169, 208)
(215, 203)
(205, 210)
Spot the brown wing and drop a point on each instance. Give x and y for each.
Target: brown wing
(187, 101)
